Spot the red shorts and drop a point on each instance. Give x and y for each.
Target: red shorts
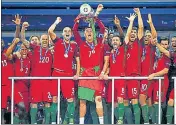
(171, 96)
(40, 90)
(164, 88)
(119, 90)
(6, 91)
(21, 93)
(67, 86)
(132, 88)
(146, 88)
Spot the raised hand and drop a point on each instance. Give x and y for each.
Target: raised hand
(59, 19)
(132, 17)
(100, 7)
(77, 19)
(17, 20)
(16, 40)
(25, 25)
(149, 18)
(116, 21)
(136, 10)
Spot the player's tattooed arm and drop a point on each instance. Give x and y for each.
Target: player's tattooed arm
(51, 32)
(158, 74)
(163, 50)
(25, 25)
(140, 23)
(11, 48)
(105, 66)
(17, 21)
(153, 30)
(119, 28)
(131, 20)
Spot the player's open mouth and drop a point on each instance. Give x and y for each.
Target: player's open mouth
(132, 36)
(67, 35)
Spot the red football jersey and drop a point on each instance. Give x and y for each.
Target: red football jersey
(147, 60)
(7, 69)
(134, 53)
(41, 61)
(161, 63)
(22, 67)
(60, 61)
(117, 66)
(89, 58)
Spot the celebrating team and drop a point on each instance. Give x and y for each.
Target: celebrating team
(136, 54)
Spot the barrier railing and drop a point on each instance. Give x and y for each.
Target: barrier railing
(88, 78)
(174, 78)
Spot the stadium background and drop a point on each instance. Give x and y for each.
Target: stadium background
(41, 15)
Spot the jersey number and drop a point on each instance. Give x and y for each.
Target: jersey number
(4, 63)
(45, 60)
(134, 91)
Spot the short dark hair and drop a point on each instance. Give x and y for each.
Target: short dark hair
(134, 28)
(164, 38)
(115, 35)
(34, 36)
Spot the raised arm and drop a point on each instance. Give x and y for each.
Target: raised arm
(17, 21)
(76, 33)
(131, 20)
(153, 30)
(11, 47)
(99, 22)
(163, 50)
(140, 23)
(52, 28)
(119, 28)
(25, 25)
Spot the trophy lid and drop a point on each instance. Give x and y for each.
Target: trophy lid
(85, 9)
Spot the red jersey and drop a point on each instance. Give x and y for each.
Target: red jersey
(62, 62)
(90, 58)
(41, 61)
(7, 69)
(161, 63)
(147, 60)
(22, 67)
(118, 62)
(134, 53)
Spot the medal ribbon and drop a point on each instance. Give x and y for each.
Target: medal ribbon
(41, 57)
(114, 55)
(91, 45)
(66, 48)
